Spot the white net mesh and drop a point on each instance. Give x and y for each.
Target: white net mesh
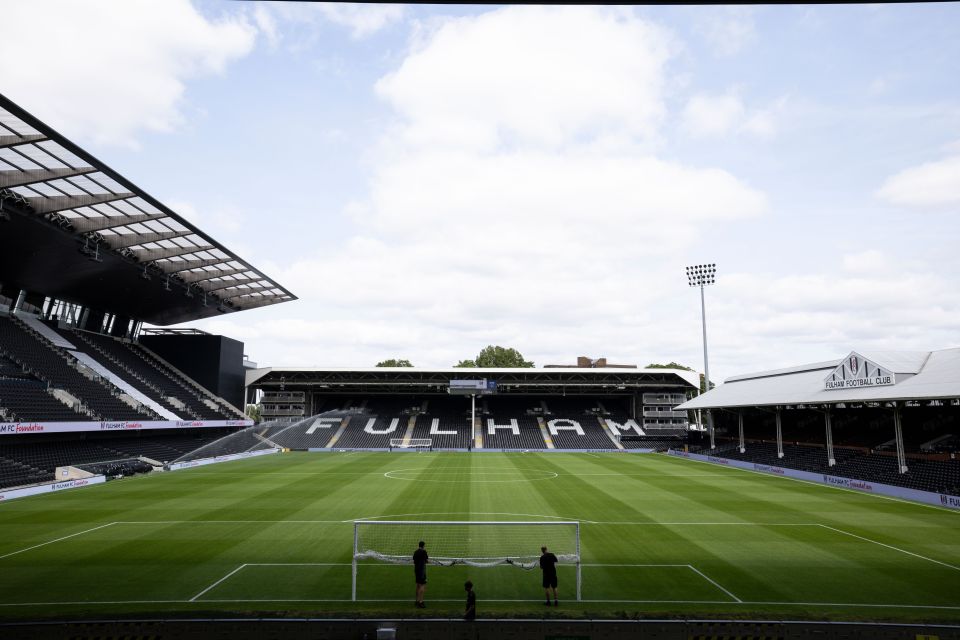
(414, 443)
(477, 544)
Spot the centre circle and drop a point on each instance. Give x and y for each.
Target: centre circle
(472, 477)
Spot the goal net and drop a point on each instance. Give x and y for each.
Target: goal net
(472, 543)
(414, 443)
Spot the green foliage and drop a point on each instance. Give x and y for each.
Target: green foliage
(669, 365)
(497, 357)
(253, 412)
(394, 362)
(674, 365)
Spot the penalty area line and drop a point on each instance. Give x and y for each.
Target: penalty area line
(890, 546)
(193, 599)
(43, 544)
(713, 582)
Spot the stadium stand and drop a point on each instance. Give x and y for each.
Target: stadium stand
(512, 423)
(587, 433)
(654, 443)
(29, 400)
(450, 414)
(39, 357)
(34, 459)
(941, 476)
(366, 431)
(159, 381)
(311, 433)
(241, 441)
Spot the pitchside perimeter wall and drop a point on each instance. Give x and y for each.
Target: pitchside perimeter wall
(85, 482)
(926, 497)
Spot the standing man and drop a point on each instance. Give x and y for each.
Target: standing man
(471, 611)
(548, 564)
(420, 558)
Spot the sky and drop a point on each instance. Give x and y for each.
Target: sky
(432, 179)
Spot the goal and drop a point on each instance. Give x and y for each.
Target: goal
(473, 543)
(414, 443)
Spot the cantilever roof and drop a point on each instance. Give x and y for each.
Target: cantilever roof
(920, 375)
(57, 180)
(691, 378)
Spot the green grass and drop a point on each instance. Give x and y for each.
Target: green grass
(709, 541)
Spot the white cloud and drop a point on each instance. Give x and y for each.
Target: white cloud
(500, 212)
(708, 115)
(530, 75)
(105, 71)
(728, 30)
(930, 185)
(361, 19)
(869, 261)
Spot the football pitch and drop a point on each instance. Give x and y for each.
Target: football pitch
(660, 537)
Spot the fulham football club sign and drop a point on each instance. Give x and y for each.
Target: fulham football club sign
(855, 372)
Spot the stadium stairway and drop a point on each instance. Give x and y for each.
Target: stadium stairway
(547, 439)
(579, 432)
(609, 431)
(221, 408)
(112, 351)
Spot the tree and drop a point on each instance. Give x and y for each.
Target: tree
(394, 362)
(671, 365)
(497, 357)
(674, 365)
(253, 412)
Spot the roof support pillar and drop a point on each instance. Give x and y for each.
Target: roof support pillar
(779, 436)
(831, 461)
(743, 444)
(713, 444)
(898, 436)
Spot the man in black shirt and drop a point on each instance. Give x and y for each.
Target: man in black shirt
(420, 558)
(471, 612)
(548, 564)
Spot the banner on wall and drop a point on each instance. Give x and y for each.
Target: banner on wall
(49, 488)
(227, 458)
(20, 428)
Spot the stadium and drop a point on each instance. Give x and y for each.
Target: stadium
(135, 491)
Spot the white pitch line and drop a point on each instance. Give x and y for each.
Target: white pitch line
(890, 546)
(230, 521)
(631, 565)
(304, 564)
(596, 601)
(711, 524)
(714, 583)
(468, 513)
(43, 544)
(217, 582)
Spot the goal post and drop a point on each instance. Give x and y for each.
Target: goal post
(467, 542)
